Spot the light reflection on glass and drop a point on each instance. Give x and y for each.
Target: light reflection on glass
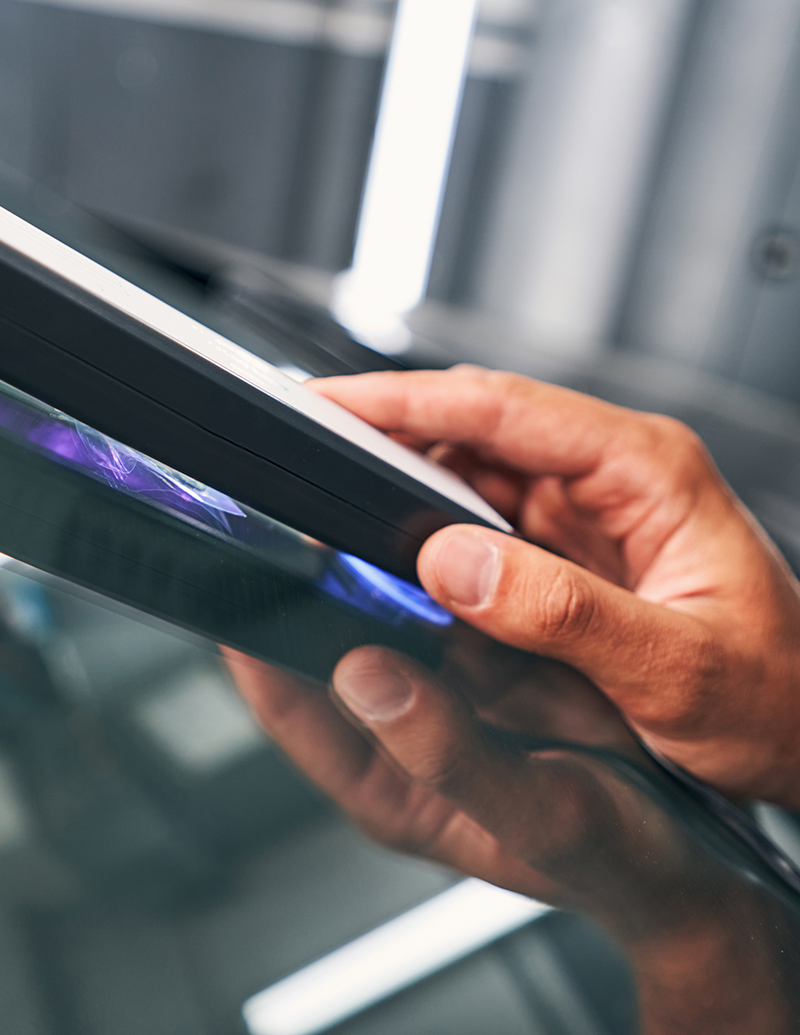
(348, 579)
(377, 592)
(120, 466)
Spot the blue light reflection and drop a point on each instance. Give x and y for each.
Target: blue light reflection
(380, 594)
(344, 577)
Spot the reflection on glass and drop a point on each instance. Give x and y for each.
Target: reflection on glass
(347, 578)
(152, 839)
(122, 467)
(375, 591)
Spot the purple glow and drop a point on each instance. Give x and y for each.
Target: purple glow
(118, 465)
(346, 578)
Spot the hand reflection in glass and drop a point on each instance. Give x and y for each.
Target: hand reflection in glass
(419, 762)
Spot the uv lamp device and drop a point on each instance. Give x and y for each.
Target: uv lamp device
(86, 341)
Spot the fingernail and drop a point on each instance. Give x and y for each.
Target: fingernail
(375, 694)
(466, 566)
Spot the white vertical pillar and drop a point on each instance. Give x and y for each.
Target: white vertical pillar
(584, 143)
(419, 107)
(722, 181)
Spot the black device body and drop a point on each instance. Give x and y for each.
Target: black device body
(81, 354)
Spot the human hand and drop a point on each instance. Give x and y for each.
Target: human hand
(666, 593)
(410, 757)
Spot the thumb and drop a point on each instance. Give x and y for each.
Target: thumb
(531, 599)
(436, 739)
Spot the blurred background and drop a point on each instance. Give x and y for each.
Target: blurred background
(608, 195)
(622, 175)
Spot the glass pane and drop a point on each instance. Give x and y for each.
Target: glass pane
(162, 863)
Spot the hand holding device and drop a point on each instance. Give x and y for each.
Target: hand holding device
(665, 592)
(649, 575)
(83, 339)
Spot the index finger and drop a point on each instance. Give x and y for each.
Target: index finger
(532, 426)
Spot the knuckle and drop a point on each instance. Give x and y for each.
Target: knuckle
(679, 444)
(448, 774)
(466, 370)
(670, 427)
(566, 608)
(505, 383)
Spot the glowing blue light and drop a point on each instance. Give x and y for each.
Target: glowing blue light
(389, 588)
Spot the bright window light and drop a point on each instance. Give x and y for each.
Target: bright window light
(405, 950)
(420, 102)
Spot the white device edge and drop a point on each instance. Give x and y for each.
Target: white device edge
(161, 317)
